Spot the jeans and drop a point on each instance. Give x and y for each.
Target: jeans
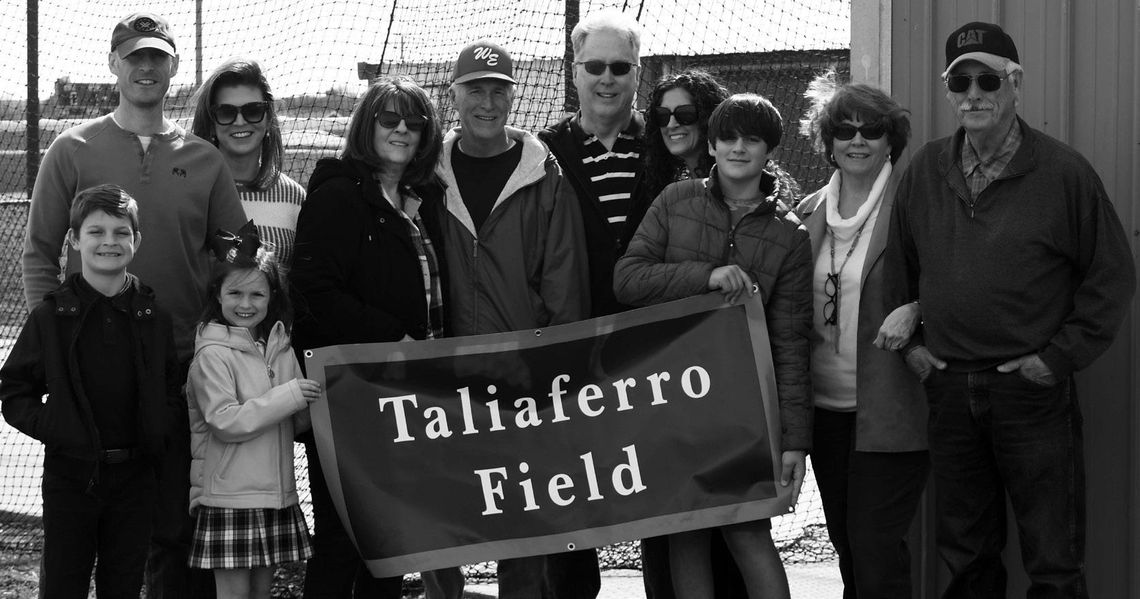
(112, 520)
(336, 571)
(168, 575)
(993, 434)
(869, 500)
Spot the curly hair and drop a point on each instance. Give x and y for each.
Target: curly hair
(232, 73)
(833, 102)
(707, 93)
(407, 98)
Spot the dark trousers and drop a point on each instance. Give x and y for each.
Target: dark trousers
(111, 522)
(993, 434)
(569, 575)
(573, 575)
(869, 500)
(168, 575)
(658, 577)
(336, 571)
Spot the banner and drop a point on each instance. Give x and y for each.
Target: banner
(455, 451)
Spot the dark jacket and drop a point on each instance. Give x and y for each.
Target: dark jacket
(688, 232)
(356, 275)
(1039, 263)
(890, 408)
(45, 360)
(602, 250)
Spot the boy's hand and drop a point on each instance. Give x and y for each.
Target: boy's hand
(310, 389)
(731, 280)
(793, 471)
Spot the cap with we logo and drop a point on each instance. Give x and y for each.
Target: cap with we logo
(483, 59)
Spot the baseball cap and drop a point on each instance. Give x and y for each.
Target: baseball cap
(483, 59)
(142, 30)
(983, 42)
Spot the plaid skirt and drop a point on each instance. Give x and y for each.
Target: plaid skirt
(249, 538)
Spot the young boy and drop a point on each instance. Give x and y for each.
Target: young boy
(102, 352)
(733, 233)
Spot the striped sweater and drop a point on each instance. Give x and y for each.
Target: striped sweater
(275, 211)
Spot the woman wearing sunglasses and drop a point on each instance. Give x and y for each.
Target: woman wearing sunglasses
(869, 440)
(677, 128)
(366, 271)
(234, 110)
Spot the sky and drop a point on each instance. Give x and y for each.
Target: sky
(312, 46)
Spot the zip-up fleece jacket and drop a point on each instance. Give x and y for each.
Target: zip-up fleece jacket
(45, 360)
(1038, 263)
(526, 267)
(602, 251)
(243, 407)
(688, 232)
(185, 192)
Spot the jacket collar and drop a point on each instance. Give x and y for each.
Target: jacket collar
(530, 170)
(769, 186)
(240, 339)
(1023, 161)
(138, 299)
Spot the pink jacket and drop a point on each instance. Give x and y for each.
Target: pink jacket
(243, 408)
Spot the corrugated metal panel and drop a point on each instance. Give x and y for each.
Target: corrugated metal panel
(1081, 86)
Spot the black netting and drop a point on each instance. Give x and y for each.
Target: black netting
(315, 55)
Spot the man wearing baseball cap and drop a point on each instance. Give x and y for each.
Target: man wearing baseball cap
(1025, 274)
(184, 192)
(512, 231)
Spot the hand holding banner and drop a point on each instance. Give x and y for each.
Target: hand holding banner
(456, 451)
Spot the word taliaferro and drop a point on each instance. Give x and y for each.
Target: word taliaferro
(695, 383)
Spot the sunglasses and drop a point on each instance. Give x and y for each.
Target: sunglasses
(226, 114)
(987, 82)
(390, 120)
(831, 288)
(597, 67)
(847, 132)
(686, 114)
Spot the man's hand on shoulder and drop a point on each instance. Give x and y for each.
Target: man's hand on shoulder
(1031, 368)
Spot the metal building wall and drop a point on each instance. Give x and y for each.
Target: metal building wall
(1082, 86)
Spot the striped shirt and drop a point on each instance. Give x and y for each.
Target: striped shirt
(612, 173)
(275, 211)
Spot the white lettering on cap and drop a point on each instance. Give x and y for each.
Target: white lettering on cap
(487, 55)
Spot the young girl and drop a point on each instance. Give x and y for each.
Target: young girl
(245, 395)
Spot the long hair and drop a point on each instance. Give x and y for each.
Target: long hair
(231, 73)
(407, 98)
(265, 262)
(833, 102)
(707, 93)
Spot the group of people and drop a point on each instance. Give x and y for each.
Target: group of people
(921, 321)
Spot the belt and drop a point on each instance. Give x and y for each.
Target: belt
(118, 456)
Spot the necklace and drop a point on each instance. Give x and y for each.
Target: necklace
(833, 281)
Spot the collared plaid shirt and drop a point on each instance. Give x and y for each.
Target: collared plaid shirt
(980, 174)
(429, 264)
